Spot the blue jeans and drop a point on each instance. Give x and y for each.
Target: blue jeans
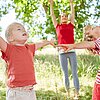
(63, 58)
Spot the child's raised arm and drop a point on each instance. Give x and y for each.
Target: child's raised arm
(72, 17)
(52, 13)
(3, 44)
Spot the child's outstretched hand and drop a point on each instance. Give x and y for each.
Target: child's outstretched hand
(66, 47)
(52, 42)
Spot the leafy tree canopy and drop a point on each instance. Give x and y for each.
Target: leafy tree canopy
(36, 14)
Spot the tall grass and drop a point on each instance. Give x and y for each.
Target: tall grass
(50, 76)
(88, 65)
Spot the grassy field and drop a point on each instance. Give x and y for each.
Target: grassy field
(50, 77)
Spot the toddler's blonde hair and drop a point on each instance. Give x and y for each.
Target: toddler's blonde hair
(9, 29)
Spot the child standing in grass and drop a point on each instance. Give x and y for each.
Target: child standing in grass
(65, 35)
(20, 65)
(95, 46)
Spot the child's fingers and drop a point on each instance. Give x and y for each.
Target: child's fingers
(53, 41)
(67, 50)
(53, 45)
(62, 45)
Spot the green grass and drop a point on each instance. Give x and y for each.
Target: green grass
(50, 77)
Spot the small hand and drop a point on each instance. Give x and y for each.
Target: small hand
(71, 1)
(51, 1)
(62, 45)
(52, 42)
(66, 47)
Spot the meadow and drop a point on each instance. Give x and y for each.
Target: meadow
(49, 76)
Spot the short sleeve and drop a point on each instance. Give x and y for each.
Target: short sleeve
(97, 43)
(31, 47)
(70, 24)
(57, 26)
(97, 46)
(6, 54)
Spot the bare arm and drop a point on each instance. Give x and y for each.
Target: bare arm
(44, 43)
(3, 44)
(72, 17)
(52, 13)
(84, 45)
(81, 45)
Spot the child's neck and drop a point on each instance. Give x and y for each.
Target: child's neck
(20, 44)
(64, 22)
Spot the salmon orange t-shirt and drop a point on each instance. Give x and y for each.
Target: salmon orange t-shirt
(20, 66)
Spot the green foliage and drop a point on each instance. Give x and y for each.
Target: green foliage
(86, 93)
(0, 29)
(26, 11)
(5, 7)
(48, 66)
(49, 95)
(86, 65)
(2, 91)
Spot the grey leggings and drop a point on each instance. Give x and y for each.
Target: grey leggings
(63, 58)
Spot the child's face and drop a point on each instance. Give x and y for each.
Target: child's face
(19, 34)
(88, 30)
(87, 36)
(64, 18)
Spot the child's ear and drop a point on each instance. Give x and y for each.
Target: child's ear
(10, 38)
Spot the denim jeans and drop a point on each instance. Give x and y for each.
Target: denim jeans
(63, 58)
